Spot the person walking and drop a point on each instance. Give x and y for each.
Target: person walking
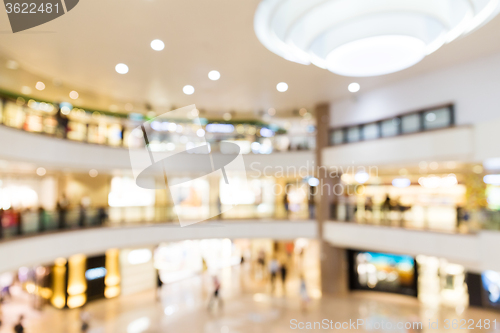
(101, 216)
(19, 327)
(304, 296)
(62, 206)
(261, 260)
(273, 270)
(286, 204)
(216, 294)
(41, 219)
(312, 206)
(82, 217)
(85, 319)
(283, 272)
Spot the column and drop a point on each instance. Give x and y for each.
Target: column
(334, 270)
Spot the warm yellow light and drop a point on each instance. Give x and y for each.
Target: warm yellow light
(58, 302)
(112, 265)
(60, 262)
(58, 299)
(77, 284)
(111, 292)
(76, 301)
(45, 293)
(30, 287)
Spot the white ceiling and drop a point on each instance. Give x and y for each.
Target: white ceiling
(82, 48)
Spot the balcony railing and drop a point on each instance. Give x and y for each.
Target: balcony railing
(435, 218)
(114, 130)
(28, 223)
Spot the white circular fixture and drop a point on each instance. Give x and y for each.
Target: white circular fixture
(200, 132)
(121, 68)
(282, 87)
(40, 85)
(214, 75)
(312, 181)
(188, 90)
(157, 45)
(366, 37)
(41, 171)
(430, 117)
(354, 87)
(73, 95)
(361, 177)
(93, 173)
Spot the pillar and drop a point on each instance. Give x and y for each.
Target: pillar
(334, 270)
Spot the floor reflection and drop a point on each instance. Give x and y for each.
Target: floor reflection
(249, 306)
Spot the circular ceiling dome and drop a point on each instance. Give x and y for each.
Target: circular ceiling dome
(366, 37)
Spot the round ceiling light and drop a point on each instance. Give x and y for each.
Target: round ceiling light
(121, 68)
(214, 75)
(282, 87)
(157, 45)
(188, 89)
(366, 37)
(353, 87)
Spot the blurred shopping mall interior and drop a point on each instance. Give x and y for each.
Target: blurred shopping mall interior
(249, 166)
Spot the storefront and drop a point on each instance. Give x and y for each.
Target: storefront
(435, 281)
(180, 260)
(80, 279)
(382, 272)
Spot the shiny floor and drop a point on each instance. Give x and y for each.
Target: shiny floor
(249, 306)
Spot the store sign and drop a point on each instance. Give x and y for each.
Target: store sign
(140, 256)
(220, 128)
(95, 273)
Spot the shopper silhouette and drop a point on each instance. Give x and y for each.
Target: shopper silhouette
(19, 328)
(216, 295)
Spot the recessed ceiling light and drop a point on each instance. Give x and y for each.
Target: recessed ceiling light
(354, 87)
(93, 173)
(73, 95)
(188, 90)
(214, 75)
(157, 45)
(40, 85)
(282, 87)
(121, 68)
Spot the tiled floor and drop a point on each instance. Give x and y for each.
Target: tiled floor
(248, 307)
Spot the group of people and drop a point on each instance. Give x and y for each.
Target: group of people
(13, 218)
(311, 204)
(275, 268)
